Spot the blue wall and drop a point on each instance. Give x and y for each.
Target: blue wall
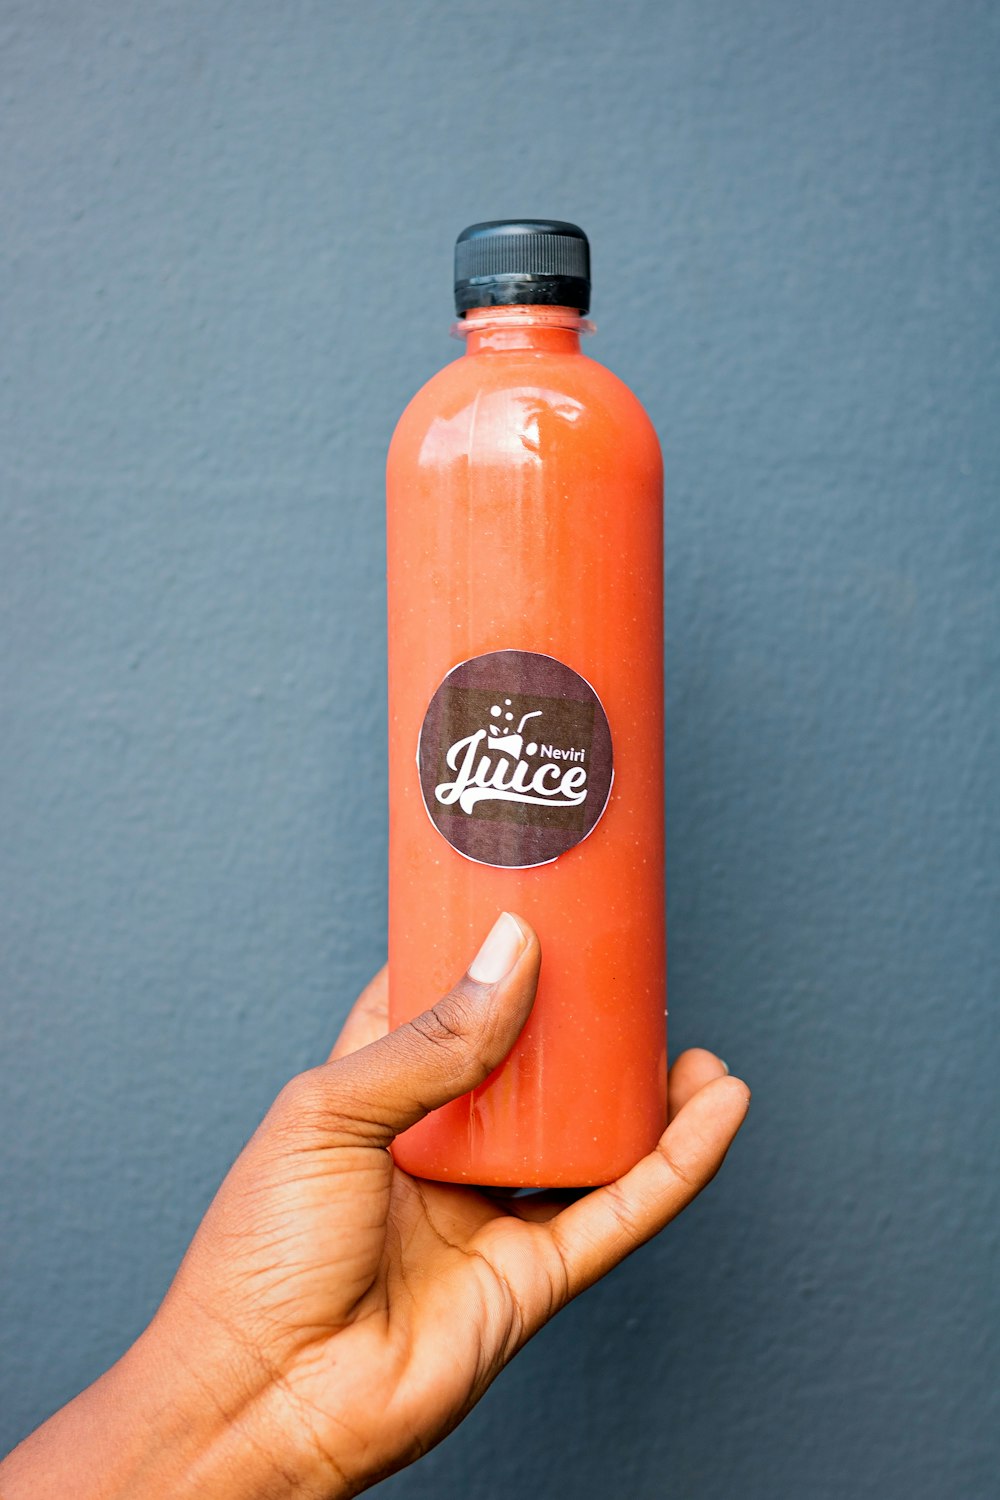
(226, 268)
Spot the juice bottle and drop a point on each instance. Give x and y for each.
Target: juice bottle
(525, 594)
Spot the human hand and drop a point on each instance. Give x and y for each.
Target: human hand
(334, 1317)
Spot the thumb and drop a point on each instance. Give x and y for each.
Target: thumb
(382, 1089)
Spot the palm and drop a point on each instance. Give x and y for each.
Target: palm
(464, 1281)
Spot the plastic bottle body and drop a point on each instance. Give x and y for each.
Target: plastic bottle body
(524, 489)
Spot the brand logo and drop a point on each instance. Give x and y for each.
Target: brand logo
(503, 775)
(515, 758)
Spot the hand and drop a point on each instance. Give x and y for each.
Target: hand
(334, 1317)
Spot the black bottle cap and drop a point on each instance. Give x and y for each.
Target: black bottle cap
(509, 261)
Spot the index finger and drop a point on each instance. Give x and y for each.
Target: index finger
(368, 1018)
(595, 1233)
(692, 1071)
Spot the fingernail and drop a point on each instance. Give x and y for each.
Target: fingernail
(724, 1064)
(500, 952)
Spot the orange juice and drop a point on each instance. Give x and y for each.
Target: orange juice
(525, 596)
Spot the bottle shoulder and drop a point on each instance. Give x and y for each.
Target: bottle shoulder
(487, 405)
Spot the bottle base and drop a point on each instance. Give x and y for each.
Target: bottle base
(511, 1178)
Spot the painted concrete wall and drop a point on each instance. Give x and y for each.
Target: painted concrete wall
(226, 267)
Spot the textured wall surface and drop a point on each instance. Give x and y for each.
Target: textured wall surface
(226, 268)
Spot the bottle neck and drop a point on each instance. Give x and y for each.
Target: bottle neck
(553, 330)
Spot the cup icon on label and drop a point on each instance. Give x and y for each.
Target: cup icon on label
(511, 744)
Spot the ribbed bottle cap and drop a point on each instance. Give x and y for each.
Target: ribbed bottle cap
(508, 261)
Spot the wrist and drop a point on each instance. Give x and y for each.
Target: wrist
(164, 1423)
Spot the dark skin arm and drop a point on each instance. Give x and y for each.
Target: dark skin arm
(334, 1317)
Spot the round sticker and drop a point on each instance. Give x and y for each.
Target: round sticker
(515, 758)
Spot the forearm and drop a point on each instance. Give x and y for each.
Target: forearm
(152, 1429)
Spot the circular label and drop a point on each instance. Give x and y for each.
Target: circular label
(515, 759)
